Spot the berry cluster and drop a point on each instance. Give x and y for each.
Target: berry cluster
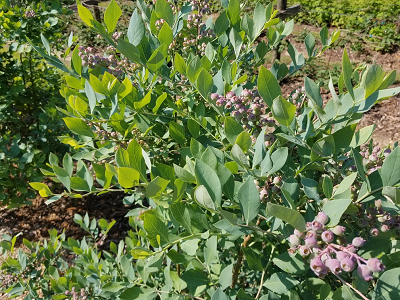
(297, 97)
(248, 109)
(111, 62)
(201, 6)
(272, 185)
(81, 295)
(159, 23)
(373, 156)
(374, 220)
(326, 256)
(30, 14)
(195, 20)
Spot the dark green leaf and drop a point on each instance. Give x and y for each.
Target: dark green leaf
(249, 199)
(288, 215)
(268, 86)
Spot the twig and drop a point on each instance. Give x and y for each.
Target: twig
(350, 286)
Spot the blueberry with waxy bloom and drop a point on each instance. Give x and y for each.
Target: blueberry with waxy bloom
(311, 234)
(347, 264)
(304, 251)
(375, 265)
(358, 242)
(311, 242)
(327, 236)
(364, 272)
(294, 240)
(333, 265)
(322, 217)
(374, 232)
(317, 265)
(298, 233)
(340, 255)
(317, 226)
(339, 230)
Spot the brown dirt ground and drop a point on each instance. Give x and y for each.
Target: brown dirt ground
(35, 221)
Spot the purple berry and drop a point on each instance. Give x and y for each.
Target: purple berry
(304, 251)
(311, 234)
(230, 94)
(311, 242)
(385, 228)
(364, 272)
(317, 226)
(374, 232)
(327, 236)
(340, 255)
(322, 217)
(347, 264)
(298, 233)
(358, 242)
(333, 265)
(317, 265)
(375, 265)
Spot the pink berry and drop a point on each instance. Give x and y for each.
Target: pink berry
(317, 226)
(347, 264)
(358, 242)
(364, 272)
(294, 240)
(311, 234)
(317, 265)
(339, 230)
(375, 265)
(333, 265)
(342, 255)
(322, 217)
(327, 236)
(311, 242)
(304, 251)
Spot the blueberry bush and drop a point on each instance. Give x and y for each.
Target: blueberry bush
(240, 193)
(29, 120)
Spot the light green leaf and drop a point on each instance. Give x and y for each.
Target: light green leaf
(136, 28)
(190, 246)
(78, 127)
(85, 15)
(345, 184)
(156, 229)
(288, 215)
(390, 170)
(280, 283)
(156, 187)
(207, 177)
(347, 72)
(164, 11)
(181, 214)
(283, 111)
(63, 176)
(128, 177)
(249, 199)
(204, 83)
(268, 86)
(111, 16)
(335, 209)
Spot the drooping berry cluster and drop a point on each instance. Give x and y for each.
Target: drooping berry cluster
(271, 186)
(195, 20)
(373, 156)
(81, 295)
(373, 221)
(317, 244)
(30, 14)
(159, 23)
(112, 63)
(201, 6)
(248, 109)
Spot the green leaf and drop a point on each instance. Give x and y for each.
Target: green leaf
(239, 157)
(79, 184)
(122, 158)
(164, 11)
(247, 25)
(219, 295)
(165, 36)
(136, 159)
(206, 176)
(129, 51)
(358, 159)
(283, 111)
(310, 44)
(387, 286)
(210, 251)
(190, 246)
(373, 79)
(128, 177)
(111, 15)
(90, 95)
(156, 229)
(85, 15)
(196, 280)
(221, 23)
(138, 293)
(204, 83)
(253, 259)
(63, 176)
(335, 209)
(180, 64)
(313, 91)
(393, 193)
(136, 28)
(68, 164)
(288, 215)
(157, 59)
(181, 214)
(327, 187)
(280, 283)
(291, 264)
(177, 132)
(278, 159)
(225, 278)
(156, 187)
(193, 69)
(249, 199)
(259, 18)
(232, 129)
(324, 147)
(78, 127)
(362, 136)
(76, 61)
(244, 141)
(159, 101)
(234, 11)
(203, 198)
(236, 41)
(347, 72)
(390, 170)
(268, 86)
(345, 184)
(146, 100)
